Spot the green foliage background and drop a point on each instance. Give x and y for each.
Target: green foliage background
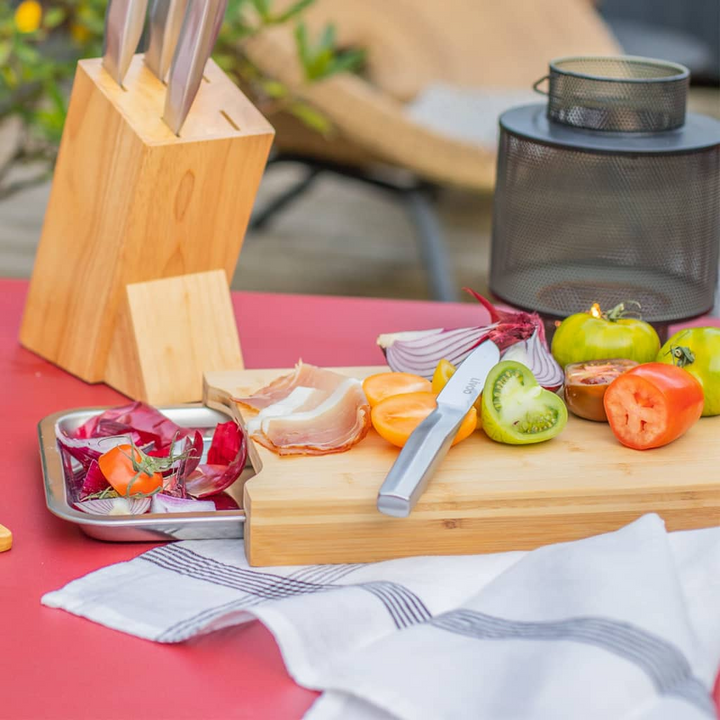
(37, 67)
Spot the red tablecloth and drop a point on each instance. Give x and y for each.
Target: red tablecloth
(54, 665)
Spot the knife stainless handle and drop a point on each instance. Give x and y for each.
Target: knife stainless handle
(422, 453)
(200, 29)
(124, 22)
(429, 442)
(166, 19)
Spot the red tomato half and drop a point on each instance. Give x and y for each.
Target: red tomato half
(117, 467)
(652, 405)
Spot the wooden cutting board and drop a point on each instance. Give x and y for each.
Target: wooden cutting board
(485, 498)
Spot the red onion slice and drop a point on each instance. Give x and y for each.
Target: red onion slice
(115, 506)
(162, 503)
(85, 450)
(94, 481)
(534, 355)
(422, 351)
(225, 462)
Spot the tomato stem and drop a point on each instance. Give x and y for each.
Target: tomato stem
(622, 311)
(681, 355)
(149, 465)
(108, 492)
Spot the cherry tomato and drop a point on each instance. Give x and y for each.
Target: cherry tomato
(384, 385)
(443, 372)
(586, 383)
(651, 405)
(117, 467)
(597, 336)
(697, 350)
(397, 416)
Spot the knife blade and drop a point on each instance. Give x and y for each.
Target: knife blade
(199, 32)
(166, 19)
(124, 22)
(429, 442)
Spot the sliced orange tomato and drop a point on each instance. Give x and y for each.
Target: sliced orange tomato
(384, 385)
(443, 372)
(397, 416)
(117, 467)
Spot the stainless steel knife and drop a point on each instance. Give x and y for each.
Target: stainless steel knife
(430, 441)
(124, 22)
(166, 19)
(200, 29)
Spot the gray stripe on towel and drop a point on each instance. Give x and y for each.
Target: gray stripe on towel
(668, 669)
(404, 607)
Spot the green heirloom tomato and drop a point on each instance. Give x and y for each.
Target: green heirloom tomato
(697, 350)
(516, 410)
(601, 336)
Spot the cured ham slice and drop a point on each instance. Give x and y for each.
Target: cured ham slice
(301, 399)
(340, 421)
(311, 411)
(308, 376)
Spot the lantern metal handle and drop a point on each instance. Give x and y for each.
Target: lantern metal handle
(537, 83)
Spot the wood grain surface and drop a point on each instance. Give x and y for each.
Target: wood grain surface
(5, 539)
(485, 498)
(132, 202)
(168, 332)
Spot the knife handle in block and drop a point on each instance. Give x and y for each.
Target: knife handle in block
(422, 453)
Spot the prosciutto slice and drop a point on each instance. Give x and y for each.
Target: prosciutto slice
(308, 376)
(311, 411)
(334, 426)
(301, 399)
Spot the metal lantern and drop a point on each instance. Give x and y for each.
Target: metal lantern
(609, 193)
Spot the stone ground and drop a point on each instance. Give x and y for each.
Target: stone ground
(342, 238)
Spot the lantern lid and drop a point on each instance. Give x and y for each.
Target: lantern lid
(699, 132)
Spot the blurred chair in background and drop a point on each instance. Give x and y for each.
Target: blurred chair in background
(686, 32)
(423, 113)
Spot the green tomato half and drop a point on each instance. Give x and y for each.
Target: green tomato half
(583, 337)
(516, 410)
(697, 350)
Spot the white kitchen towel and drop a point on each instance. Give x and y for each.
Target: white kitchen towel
(622, 625)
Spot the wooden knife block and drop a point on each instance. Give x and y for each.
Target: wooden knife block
(130, 203)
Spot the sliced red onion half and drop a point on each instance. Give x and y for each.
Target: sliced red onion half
(534, 355)
(162, 503)
(419, 352)
(115, 506)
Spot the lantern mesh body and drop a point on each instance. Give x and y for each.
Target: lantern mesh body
(584, 216)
